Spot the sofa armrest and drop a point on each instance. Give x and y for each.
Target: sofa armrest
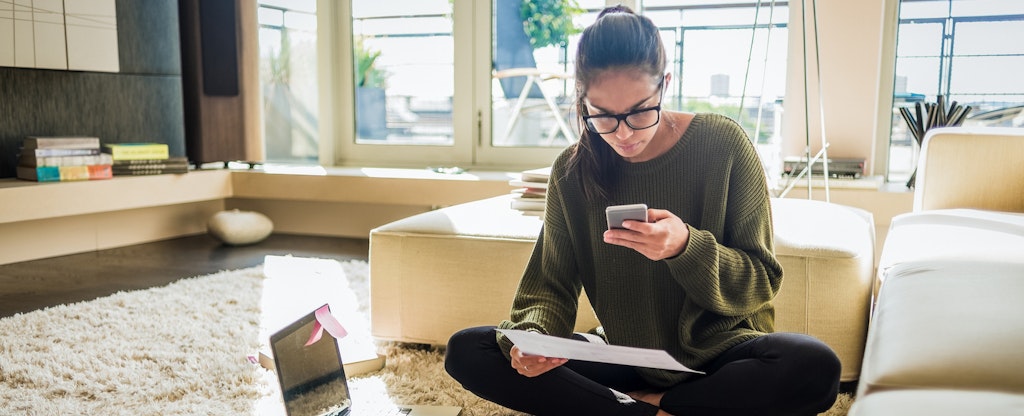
(971, 167)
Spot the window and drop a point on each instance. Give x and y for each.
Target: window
(404, 72)
(747, 84)
(431, 82)
(288, 77)
(964, 51)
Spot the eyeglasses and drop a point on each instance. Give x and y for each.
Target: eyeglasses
(639, 119)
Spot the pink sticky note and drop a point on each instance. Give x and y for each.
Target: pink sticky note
(325, 320)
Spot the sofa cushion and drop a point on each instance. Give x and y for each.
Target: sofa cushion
(953, 234)
(971, 167)
(938, 403)
(947, 324)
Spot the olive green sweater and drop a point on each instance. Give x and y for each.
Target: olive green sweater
(717, 293)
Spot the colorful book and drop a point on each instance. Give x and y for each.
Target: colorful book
(74, 173)
(64, 173)
(126, 151)
(39, 174)
(100, 172)
(37, 142)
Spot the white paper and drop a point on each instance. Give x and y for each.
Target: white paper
(534, 343)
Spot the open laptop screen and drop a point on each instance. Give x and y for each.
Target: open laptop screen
(312, 378)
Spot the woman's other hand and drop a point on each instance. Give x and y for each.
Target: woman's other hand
(533, 365)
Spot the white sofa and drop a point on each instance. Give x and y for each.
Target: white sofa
(435, 273)
(947, 331)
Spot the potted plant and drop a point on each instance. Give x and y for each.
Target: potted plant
(371, 102)
(549, 22)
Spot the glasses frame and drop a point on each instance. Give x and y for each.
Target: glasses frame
(620, 118)
(623, 117)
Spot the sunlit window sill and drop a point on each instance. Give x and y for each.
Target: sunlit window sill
(422, 187)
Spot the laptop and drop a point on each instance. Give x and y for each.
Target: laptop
(313, 380)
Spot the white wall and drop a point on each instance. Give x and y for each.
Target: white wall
(855, 78)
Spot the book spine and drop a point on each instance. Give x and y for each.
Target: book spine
(155, 166)
(97, 159)
(64, 173)
(138, 151)
(33, 153)
(61, 143)
(74, 173)
(174, 161)
(40, 174)
(148, 171)
(100, 172)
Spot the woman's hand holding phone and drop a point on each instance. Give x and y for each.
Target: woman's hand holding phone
(658, 234)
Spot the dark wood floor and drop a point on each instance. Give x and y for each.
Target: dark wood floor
(38, 284)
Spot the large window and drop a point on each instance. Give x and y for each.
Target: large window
(968, 52)
(465, 83)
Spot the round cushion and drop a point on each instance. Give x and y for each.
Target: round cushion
(236, 227)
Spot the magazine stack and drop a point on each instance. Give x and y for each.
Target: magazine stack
(529, 195)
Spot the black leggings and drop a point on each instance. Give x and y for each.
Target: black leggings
(776, 374)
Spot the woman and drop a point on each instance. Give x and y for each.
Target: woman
(696, 280)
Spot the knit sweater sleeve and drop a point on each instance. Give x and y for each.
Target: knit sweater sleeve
(547, 298)
(733, 271)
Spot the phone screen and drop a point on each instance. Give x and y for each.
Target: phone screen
(618, 213)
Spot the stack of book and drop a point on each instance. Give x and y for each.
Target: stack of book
(529, 195)
(133, 159)
(53, 159)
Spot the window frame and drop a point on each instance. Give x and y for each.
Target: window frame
(472, 121)
(884, 143)
(471, 102)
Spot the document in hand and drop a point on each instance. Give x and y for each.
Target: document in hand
(533, 343)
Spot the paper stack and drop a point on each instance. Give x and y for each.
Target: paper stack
(531, 190)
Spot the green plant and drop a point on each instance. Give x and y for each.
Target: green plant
(549, 22)
(367, 73)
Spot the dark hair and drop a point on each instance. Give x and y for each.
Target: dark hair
(618, 39)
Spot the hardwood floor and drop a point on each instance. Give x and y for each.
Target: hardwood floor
(38, 284)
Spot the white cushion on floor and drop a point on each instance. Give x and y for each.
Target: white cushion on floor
(238, 227)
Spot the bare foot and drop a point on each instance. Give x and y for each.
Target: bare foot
(647, 396)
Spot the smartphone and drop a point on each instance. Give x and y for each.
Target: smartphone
(618, 213)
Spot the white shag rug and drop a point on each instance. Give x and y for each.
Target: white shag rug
(185, 348)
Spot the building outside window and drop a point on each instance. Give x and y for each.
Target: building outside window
(965, 51)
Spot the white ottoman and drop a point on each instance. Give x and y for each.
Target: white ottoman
(438, 272)
(435, 273)
(827, 253)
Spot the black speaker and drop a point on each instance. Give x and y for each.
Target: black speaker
(219, 67)
(218, 38)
